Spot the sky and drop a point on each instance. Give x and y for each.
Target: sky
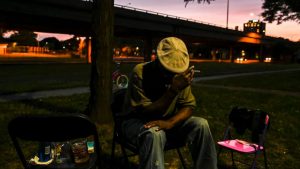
(240, 11)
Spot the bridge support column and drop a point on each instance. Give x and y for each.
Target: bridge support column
(213, 54)
(148, 49)
(88, 49)
(230, 54)
(261, 58)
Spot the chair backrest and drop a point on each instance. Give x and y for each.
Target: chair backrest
(255, 120)
(51, 128)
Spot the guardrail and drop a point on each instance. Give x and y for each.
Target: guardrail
(168, 15)
(176, 17)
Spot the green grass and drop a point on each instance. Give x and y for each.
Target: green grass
(39, 60)
(33, 77)
(15, 78)
(285, 81)
(214, 68)
(18, 78)
(213, 104)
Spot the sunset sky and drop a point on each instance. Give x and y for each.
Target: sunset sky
(240, 11)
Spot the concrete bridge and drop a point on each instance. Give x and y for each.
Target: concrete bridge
(74, 17)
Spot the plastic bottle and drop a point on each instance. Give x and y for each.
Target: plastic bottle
(90, 144)
(44, 153)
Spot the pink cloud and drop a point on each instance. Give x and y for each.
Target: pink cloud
(61, 37)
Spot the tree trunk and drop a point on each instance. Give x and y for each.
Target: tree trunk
(101, 74)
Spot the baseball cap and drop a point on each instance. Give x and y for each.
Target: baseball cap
(173, 55)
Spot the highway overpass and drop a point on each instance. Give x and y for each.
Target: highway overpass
(75, 16)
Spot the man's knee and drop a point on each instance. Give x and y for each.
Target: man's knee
(200, 125)
(151, 135)
(200, 122)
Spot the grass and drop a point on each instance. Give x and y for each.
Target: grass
(214, 104)
(33, 77)
(15, 78)
(39, 59)
(285, 81)
(213, 68)
(18, 78)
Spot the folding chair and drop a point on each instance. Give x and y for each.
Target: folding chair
(246, 133)
(53, 128)
(116, 107)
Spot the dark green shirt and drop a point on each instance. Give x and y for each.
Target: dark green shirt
(147, 85)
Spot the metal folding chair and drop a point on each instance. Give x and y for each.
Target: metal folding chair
(245, 134)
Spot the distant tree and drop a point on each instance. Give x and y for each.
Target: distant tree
(199, 1)
(24, 38)
(281, 10)
(52, 43)
(2, 31)
(2, 39)
(287, 52)
(71, 44)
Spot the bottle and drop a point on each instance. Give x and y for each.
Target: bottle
(65, 154)
(44, 153)
(90, 144)
(58, 147)
(79, 150)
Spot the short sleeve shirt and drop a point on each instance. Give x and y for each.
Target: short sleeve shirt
(147, 85)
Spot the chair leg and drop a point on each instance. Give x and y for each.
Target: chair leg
(181, 158)
(125, 156)
(254, 161)
(112, 155)
(253, 165)
(219, 152)
(265, 159)
(232, 159)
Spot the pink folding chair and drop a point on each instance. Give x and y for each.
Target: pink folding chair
(246, 134)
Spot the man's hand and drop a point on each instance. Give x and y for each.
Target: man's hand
(181, 81)
(161, 124)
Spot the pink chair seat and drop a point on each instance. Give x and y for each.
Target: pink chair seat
(239, 145)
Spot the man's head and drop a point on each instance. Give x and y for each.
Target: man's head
(173, 55)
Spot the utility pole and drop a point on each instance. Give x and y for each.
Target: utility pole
(227, 14)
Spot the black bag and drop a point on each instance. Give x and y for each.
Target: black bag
(252, 119)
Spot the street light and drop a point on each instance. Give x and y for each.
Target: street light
(227, 14)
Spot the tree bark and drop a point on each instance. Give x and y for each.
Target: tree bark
(101, 74)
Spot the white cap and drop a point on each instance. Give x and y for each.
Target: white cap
(173, 55)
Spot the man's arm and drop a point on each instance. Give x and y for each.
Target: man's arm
(160, 106)
(183, 114)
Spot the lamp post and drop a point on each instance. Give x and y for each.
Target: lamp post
(227, 14)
